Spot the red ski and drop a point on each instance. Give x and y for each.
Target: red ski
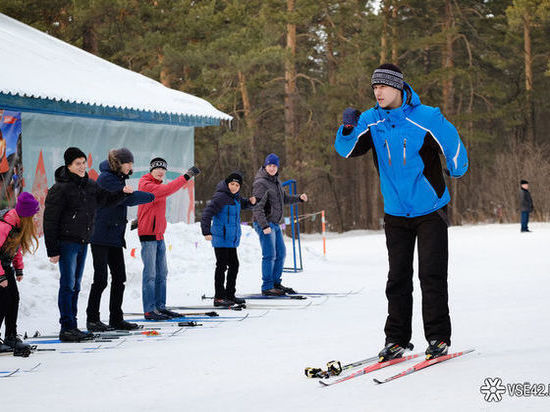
(371, 368)
(424, 364)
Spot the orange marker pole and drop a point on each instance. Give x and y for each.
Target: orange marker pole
(323, 231)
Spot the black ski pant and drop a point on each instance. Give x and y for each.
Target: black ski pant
(107, 257)
(9, 302)
(401, 235)
(226, 259)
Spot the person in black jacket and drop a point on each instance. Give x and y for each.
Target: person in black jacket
(69, 216)
(108, 240)
(525, 205)
(268, 215)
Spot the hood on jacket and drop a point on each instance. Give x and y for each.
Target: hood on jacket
(410, 99)
(62, 175)
(224, 188)
(105, 167)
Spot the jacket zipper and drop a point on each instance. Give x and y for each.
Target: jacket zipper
(405, 152)
(388, 148)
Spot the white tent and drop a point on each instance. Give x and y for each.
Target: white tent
(42, 67)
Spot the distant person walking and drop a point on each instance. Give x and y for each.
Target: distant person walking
(525, 205)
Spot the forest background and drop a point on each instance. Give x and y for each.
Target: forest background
(286, 69)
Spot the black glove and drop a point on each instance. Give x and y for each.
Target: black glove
(351, 116)
(3, 278)
(193, 171)
(18, 272)
(133, 224)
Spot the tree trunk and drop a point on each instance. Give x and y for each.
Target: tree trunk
(89, 39)
(249, 119)
(164, 75)
(530, 113)
(394, 34)
(290, 88)
(384, 38)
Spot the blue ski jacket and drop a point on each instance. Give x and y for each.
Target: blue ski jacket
(110, 222)
(222, 217)
(406, 144)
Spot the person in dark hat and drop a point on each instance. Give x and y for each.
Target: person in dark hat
(17, 237)
(69, 218)
(108, 241)
(151, 227)
(268, 216)
(407, 138)
(221, 224)
(525, 205)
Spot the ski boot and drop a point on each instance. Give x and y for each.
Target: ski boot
(17, 346)
(436, 348)
(290, 291)
(98, 326)
(392, 351)
(171, 314)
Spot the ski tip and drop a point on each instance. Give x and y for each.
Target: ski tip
(324, 384)
(377, 381)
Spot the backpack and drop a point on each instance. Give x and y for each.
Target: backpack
(6, 258)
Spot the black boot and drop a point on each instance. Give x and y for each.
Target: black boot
(154, 315)
(290, 291)
(436, 348)
(272, 292)
(17, 346)
(238, 301)
(171, 314)
(223, 303)
(392, 351)
(74, 335)
(5, 348)
(123, 325)
(97, 326)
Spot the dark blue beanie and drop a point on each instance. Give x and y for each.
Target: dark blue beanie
(272, 159)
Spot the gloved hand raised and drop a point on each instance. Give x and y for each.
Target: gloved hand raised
(350, 116)
(193, 171)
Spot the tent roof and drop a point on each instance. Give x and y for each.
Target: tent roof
(42, 73)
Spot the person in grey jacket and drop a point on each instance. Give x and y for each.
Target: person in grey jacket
(525, 205)
(268, 215)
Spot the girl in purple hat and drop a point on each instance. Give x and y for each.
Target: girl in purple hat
(17, 237)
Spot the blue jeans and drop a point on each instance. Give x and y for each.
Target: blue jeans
(524, 221)
(155, 270)
(273, 255)
(72, 257)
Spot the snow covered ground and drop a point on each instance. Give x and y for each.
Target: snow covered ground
(499, 291)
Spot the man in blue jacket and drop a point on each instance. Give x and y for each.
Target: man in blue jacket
(406, 138)
(108, 240)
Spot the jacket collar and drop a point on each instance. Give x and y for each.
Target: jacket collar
(410, 100)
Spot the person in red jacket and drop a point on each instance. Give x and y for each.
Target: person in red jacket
(151, 228)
